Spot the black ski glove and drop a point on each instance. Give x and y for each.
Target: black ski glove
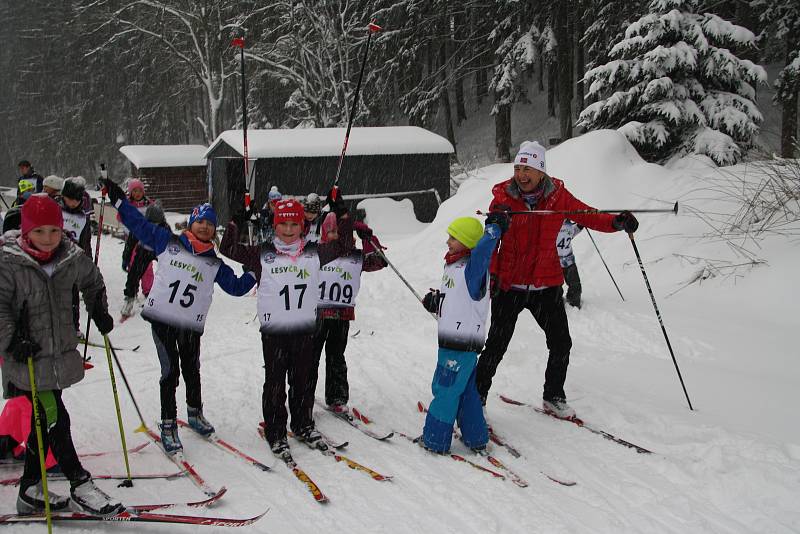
(104, 322)
(500, 218)
(115, 192)
(625, 221)
(20, 349)
(431, 301)
(239, 218)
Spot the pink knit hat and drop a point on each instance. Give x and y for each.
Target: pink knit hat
(135, 184)
(328, 225)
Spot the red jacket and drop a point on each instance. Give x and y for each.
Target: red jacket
(527, 253)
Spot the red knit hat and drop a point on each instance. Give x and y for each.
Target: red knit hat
(40, 210)
(288, 210)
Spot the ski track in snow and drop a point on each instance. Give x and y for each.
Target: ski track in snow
(728, 467)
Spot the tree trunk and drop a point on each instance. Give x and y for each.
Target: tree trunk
(580, 63)
(481, 82)
(445, 94)
(541, 67)
(565, 67)
(502, 133)
(461, 110)
(552, 75)
(789, 141)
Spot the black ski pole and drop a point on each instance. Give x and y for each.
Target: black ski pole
(238, 42)
(371, 28)
(658, 315)
(673, 210)
(104, 174)
(604, 263)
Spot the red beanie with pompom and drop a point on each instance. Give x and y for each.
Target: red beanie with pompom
(40, 210)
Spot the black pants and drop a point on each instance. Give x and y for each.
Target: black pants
(59, 439)
(174, 346)
(332, 333)
(127, 250)
(136, 270)
(287, 357)
(573, 280)
(547, 307)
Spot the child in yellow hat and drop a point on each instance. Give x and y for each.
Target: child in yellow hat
(462, 307)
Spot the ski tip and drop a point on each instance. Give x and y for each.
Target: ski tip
(421, 407)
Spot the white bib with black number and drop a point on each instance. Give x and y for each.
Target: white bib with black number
(340, 280)
(183, 288)
(74, 223)
(462, 321)
(564, 243)
(288, 291)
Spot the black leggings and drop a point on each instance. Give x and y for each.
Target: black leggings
(178, 350)
(59, 440)
(332, 333)
(547, 307)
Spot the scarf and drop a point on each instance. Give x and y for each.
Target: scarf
(293, 250)
(198, 247)
(452, 258)
(40, 256)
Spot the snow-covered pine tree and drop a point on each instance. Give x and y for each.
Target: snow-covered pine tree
(674, 86)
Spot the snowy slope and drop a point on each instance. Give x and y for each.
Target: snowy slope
(732, 465)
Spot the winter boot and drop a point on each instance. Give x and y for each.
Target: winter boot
(558, 408)
(31, 500)
(199, 423)
(280, 448)
(169, 436)
(311, 437)
(127, 308)
(93, 500)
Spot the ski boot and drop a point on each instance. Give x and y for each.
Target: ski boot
(169, 436)
(339, 408)
(280, 448)
(558, 408)
(31, 500)
(420, 440)
(127, 308)
(91, 499)
(198, 422)
(311, 437)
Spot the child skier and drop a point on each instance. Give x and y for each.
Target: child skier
(137, 198)
(339, 284)
(178, 304)
(569, 230)
(312, 206)
(141, 266)
(78, 229)
(288, 271)
(39, 265)
(462, 306)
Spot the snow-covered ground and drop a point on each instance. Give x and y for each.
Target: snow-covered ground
(732, 465)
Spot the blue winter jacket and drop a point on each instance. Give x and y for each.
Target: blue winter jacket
(478, 263)
(158, 237)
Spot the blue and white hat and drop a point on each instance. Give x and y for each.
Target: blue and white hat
(203, 212)
(274, 194)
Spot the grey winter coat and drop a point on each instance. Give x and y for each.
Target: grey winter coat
(58, 364)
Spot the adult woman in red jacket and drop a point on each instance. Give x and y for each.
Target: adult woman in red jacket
(526, 272)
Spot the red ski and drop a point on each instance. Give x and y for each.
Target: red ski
(580, 423)
(178, 459)
(131, 515)
(227, 447)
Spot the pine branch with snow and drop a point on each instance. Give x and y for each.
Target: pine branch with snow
(675, 86)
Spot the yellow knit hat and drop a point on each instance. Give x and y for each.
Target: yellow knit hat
(468, 231)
